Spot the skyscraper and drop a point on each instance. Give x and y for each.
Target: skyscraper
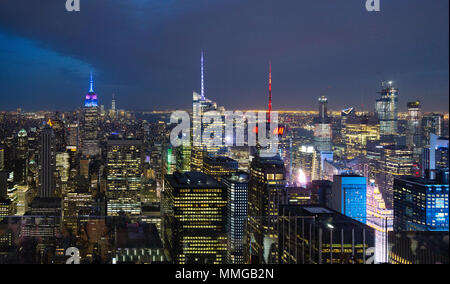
(358, 131)
(90, 121)
(413, 125)
(432, 123)
(266, 186)
(312, 234)
(200, 106)
(21, 163)
(47, 163)
(386, 108)
(348, 196)
(421, 204)
(322, 127)
(124, 176)
(216, 167)
(394, 161)
(237, 213)
(195, 214)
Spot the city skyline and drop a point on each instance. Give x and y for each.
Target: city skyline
(224, 133)
(140, 71)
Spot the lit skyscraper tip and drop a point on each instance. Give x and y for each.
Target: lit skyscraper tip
(91, 96)
(202, 77)
(270, 89)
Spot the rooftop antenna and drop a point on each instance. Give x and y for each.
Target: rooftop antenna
(91, 84)
(202, 77)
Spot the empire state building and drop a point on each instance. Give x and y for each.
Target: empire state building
(90, 121)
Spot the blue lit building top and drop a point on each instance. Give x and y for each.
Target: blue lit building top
(91, 96)
(349, 196)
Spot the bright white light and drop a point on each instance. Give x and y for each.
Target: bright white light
(301, 177)
(330, 226)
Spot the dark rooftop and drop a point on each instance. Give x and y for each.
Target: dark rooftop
(192, 180)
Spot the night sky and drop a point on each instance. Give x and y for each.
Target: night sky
(147, 52)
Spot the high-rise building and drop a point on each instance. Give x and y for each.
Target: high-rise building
(47, 163)
(322, 127)
(421, 204)
(436, 156)
(2, 158)
(73, 137)
(311, 234)
(379, 218)
(124, 176)
(90, 121)
(386, 108)
(183, 158)
(217, 167)
(266, 186)
(345, 114)
(21, 162)
(432, 123)
(349, 196)
(22, 144)
(237, 214)
(200, 106)
(195, 216)
(305, 161)
(394, 161)
(113, 103)
(413, 125)
(358, 131)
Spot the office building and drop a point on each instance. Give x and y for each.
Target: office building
(195, 216)
(386, 108)
(237, 214)
(216, 167)
(357, 132)
(314, 234)
(435, 156)
(124, 176)
(421, 204)
(349, 196)
(47, 163)
(394, 161)
(413, 125)
(266, 187)
(432, 123)
(322, 127)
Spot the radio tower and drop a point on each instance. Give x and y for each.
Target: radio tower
(270, 90)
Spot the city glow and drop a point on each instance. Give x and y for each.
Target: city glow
(301, 177)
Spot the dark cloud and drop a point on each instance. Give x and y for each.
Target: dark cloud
(147, 52)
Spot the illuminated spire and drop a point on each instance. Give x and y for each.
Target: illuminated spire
(202, 78)
(270, 90)
(91, 84)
